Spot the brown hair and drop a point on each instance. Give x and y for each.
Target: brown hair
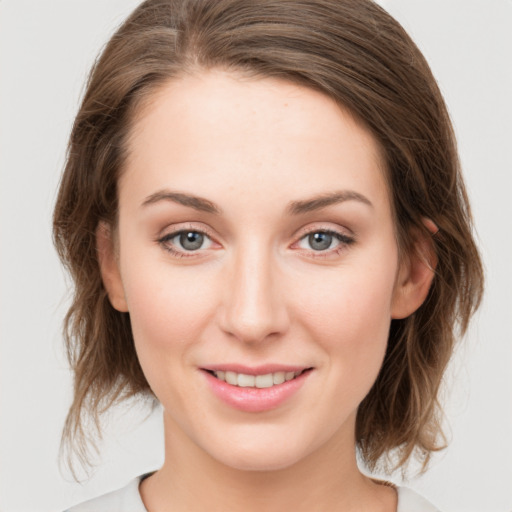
(350, 50)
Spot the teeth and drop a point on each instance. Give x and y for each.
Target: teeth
(246, 381)
(231, 378)
(278, 377)
(255, 381)
(264, 381)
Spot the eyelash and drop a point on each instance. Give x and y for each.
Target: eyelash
(344, 242)
(165, 239)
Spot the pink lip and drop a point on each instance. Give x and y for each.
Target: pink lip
(255, 399)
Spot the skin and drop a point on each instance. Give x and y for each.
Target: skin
(256, 291)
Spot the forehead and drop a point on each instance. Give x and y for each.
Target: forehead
(216, 128)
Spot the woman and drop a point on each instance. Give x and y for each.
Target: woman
(263, 213)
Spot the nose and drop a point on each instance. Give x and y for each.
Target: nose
(254, 308)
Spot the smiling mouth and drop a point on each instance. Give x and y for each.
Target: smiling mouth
(267, 380)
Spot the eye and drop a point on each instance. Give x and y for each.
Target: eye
(186, 241)
(323, 241)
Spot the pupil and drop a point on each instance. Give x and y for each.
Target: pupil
(320, 241)
(191, 240)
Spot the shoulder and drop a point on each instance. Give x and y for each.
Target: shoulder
(410, 501)
(126, 499)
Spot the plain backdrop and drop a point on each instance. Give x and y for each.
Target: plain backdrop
(46, 49)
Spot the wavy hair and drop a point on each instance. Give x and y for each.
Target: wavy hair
(351, 51)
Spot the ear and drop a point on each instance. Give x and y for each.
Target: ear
(109, 267)
(415, 274)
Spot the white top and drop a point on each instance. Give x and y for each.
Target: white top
(128, 499)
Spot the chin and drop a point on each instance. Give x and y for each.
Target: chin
(259, 453)
(262, 461)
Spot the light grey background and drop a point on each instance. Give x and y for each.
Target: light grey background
(46, 49)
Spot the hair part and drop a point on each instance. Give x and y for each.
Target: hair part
(350, 50)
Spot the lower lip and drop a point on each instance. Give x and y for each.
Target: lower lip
(255, 399)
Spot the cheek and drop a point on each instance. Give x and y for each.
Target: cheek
(169, 312)
(350, 317)
(169, 309)
(162, 298)
(350, 302)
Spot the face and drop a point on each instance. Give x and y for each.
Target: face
(256, 256)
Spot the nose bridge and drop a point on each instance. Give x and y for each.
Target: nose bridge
(253, 308)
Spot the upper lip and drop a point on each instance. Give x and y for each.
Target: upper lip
(255, 370)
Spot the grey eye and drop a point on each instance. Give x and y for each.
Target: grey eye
(320, 241)
(190, 240)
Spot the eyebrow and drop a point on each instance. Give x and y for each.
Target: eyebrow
(198, 203)
(325, 200)
(294, 208)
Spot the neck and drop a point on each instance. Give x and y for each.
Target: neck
(327, 479)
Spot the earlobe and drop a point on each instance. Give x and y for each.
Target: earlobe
(109, 267)
(415, 274)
